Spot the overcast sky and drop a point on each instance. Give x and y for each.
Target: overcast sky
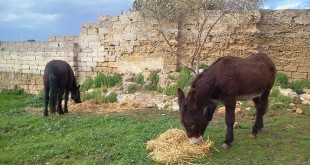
(22, 20)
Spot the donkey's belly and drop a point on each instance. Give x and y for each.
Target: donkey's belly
(246, 97)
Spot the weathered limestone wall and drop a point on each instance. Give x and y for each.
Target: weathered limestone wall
(22, 63)
(283, 34)
(129, 44)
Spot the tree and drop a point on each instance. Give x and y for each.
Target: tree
(176, 11)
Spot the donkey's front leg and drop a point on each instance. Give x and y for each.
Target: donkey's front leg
(230, 105)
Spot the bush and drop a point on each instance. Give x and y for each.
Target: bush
(88, 84)
(102, 80)
(139, 79)
(131, 88)
(281, 80)
(185, 78)
(298, 85)
(154, 81)
(170, 90)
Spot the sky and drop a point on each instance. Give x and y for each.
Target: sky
(22, 20)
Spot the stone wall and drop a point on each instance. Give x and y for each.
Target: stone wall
(129, 44)
(22, 63)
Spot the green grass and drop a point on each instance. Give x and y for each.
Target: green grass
(121, 138)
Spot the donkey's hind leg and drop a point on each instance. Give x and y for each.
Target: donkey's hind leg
(59, 107)
(261, 104)
(46, 100)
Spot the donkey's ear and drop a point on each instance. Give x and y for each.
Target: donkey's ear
(181, 96)
(192, 98)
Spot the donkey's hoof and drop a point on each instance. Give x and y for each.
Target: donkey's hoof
(225, 146)
(253, 136)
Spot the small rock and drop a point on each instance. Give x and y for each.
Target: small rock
(291, 104)
(296, 100)
(238, 110)
(236, 125)
(299, 111)
(221, 110)
(305, 102)
(306, 91)
(305, 96)
(285, 92)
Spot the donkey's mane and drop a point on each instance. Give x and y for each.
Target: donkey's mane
(203, 74)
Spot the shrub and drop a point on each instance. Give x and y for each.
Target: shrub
(299, 85)
(281, 80)
(88, 84)
(154, 81)
(131, 88)
(185, 78)
(170, 90)
(139, 79)
(102, 80)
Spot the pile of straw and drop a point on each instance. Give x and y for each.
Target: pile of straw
(173, 147)
(90, 106)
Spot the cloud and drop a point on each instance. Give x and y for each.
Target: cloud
(27, 14)
(288, 6)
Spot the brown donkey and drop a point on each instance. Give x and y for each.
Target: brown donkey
(227, 80)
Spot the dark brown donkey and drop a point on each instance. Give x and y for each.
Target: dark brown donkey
(227, 80)
(58, 80)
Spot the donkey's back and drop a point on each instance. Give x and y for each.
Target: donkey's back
(245, 77)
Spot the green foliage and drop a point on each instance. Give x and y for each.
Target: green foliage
(139, 79)
(88, 84)
(276, 99)
(102, 80)
(98, 96)
(36, 100)
(281, 80)
(15, 92)
(170, 90)
(185, 78)
(203, 66)
(132, 88)
(298, 85)
(154, 81)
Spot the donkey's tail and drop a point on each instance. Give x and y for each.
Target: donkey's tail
(53, 89)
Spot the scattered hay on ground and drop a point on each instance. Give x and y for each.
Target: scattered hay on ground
(91, 106)
(173, 147)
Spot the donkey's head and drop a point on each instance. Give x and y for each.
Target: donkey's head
(194, 117)
(75, 94)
